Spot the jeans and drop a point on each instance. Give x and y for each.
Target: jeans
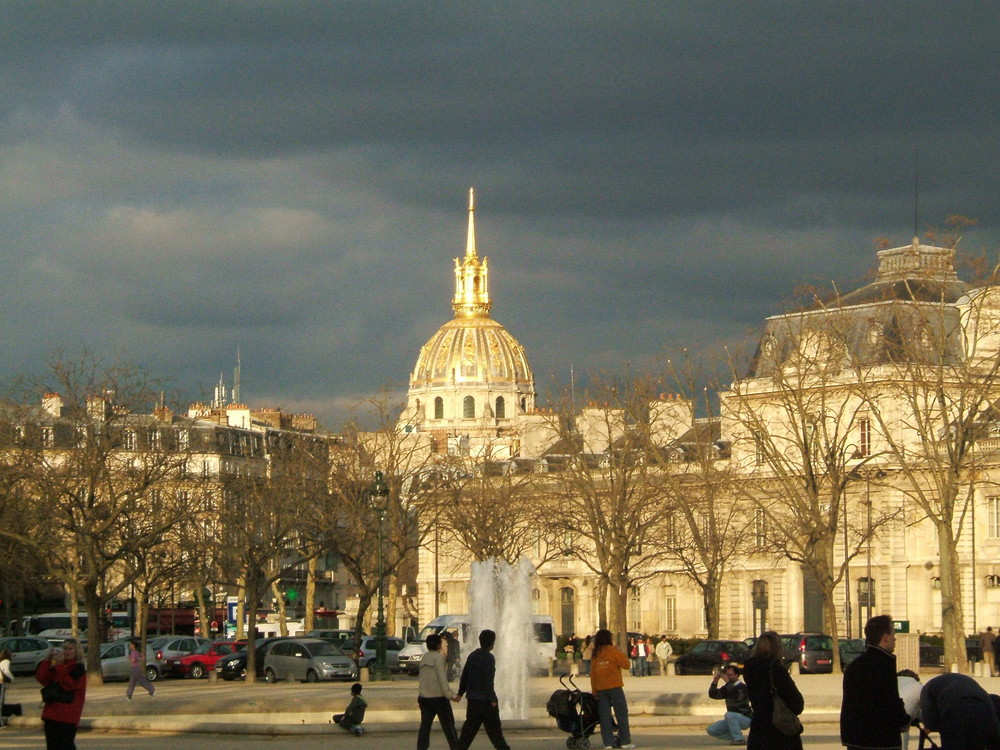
(613, 699)
(731, 727)
(59, 735)
(642, 667)
(429, 708)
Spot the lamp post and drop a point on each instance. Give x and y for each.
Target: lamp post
(379, 494)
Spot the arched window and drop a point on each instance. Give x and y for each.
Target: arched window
(501, 410)
(438, 408)
(468, 407)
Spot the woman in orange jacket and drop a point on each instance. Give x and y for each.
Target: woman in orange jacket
(606, 683)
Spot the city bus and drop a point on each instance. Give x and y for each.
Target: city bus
(57, 626)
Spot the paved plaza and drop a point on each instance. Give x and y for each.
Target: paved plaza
(666, 712)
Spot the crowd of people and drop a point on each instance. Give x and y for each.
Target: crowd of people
(879, 703)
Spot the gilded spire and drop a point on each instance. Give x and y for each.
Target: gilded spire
(472, 297)
(470, 243)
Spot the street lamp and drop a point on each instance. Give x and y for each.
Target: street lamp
(379, 494)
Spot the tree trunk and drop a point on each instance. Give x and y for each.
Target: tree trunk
(618, 620)
(712, 602)
(952, 620)
(308, 622)
(95, 615)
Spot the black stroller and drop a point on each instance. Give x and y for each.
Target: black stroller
(575, 712)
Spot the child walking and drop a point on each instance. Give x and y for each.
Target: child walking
(355, 713)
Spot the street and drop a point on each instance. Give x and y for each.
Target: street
(821, 736)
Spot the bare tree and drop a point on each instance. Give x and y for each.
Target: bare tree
(794, 422)
(603, 486)
(705, 526)
(933, 396)
(264, 511)
(98, 462)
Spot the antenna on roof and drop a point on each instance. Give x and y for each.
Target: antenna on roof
(236, 379)
(916, 193)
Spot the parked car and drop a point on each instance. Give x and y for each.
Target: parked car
(202, 661)
(116, 666)
(812, 651)
(850, 649)
(308, 660)
(366, 654)
(707, 656)
(167, 646)
(26, 652)
(234, 666)
(339, 636)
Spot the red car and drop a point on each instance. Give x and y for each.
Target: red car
(202, 661)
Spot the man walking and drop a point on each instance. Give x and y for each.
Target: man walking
(476, 685)
(663, 653)
(738, 714)
(871, 713)
(986, 640)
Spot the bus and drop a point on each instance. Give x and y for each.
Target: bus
(58, 626)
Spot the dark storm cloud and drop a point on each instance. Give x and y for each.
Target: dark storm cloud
(290, 177)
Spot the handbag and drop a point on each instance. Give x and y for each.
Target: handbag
(782, 717)
(53, 693)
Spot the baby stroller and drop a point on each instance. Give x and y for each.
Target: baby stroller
(575, 712)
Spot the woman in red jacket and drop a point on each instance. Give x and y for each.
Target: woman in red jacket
(63, 666)
(606, 682)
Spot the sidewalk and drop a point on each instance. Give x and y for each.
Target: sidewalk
(184, 705)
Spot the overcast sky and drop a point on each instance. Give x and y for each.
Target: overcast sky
(182, 179)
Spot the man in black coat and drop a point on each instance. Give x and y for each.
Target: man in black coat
(477, 686)
(872, 716)
(962, 711)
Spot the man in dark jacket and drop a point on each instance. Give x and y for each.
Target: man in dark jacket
(477, 686)
(872, 716)
(962, 711)
(738, 712)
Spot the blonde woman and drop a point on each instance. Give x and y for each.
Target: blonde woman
(63, 667)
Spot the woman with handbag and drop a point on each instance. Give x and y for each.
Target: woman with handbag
(774, 698)
(64, 689)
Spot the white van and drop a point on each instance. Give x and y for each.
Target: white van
(544, 637)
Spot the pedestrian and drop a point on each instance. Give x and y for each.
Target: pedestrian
(354, 714)
(958, 707)
(453, 654)
(738, 712)
(987, 641)
(586, 654)
(434, 696)
(872, 714)
(663, 653)
(766, 676)
(137, 674)
(63, 667)
(633, 658)
(6, 677)
(477, 685)
(608, 687)
(642, 657)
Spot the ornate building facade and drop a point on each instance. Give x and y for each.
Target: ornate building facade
(472, 389)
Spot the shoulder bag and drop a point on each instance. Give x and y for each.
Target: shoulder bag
(53, 693)
(782, 717)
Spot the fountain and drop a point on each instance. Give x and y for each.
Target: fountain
(500, 600)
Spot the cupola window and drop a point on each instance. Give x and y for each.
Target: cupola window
(469, 407)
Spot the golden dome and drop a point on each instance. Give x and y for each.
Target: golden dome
(471, 350)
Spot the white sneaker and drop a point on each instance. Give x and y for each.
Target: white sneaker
(629, 746)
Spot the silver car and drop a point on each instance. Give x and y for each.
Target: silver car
(116, 666)
(26, 652)
(308, 660)
(166, 646)
(366, 654)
